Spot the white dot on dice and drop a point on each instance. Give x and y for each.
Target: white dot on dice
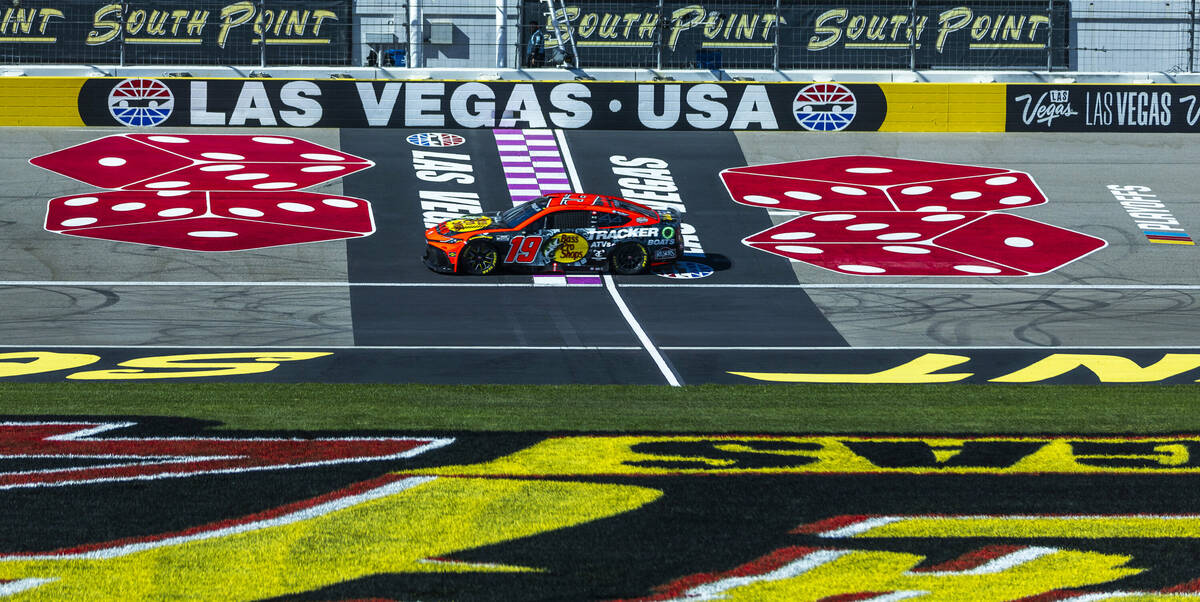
(802, 196)
(898, 236)
(296, 207)
(906, 250)
(799, 249)
(112, 161)
(222, 156)
(977, 269)
(862, 269)
(322, 157)
(866, 227)
(793, 235)
(759, 199)
(849, 191)
(212, 234)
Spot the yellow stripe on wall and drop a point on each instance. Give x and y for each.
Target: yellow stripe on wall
(40, 101)
(944, 107)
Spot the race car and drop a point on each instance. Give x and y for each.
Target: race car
(568, 231)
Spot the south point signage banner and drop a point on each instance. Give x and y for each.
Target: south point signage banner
(197, 32)
(845, 35)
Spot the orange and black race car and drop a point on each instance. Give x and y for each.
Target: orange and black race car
(567, 230)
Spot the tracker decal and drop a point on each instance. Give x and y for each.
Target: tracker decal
(1152, 216)
(532, 162)
(883, 216)
(206, 192)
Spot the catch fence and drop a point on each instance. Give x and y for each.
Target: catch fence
(1098, 35)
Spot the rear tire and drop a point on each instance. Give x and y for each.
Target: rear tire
(479, 258)
(629, 258)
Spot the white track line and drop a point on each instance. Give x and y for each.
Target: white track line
(882, 286)
(667, 372)
(659, 361)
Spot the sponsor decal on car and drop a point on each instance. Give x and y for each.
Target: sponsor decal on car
(468, 224)
(567, 247)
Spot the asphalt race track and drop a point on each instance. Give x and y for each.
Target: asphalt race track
(383, 316)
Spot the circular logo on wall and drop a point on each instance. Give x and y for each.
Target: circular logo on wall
(435, 139)
(141, 102)
(825, 107)
(685, 269)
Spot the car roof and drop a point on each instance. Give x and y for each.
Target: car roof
(578, 199)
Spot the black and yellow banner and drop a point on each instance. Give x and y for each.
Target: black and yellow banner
(838, 35)
(200, 32)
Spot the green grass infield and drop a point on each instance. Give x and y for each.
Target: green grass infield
(1125, 409)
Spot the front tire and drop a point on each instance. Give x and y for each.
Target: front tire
(479, 258)
(629, 259)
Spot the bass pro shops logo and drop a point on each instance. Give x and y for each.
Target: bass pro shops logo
(141, 102)
(825, 107)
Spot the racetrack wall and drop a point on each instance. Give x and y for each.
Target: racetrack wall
(358, 306)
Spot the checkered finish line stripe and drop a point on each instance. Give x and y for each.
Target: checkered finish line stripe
(532, 163)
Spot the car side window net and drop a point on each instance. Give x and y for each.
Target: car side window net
(611, 220)
(569, 220)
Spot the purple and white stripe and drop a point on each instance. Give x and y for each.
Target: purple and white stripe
(532, 162)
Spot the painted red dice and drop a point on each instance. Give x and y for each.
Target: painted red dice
(900, 243)
(868, 183)
(201, 162)
(211, 221)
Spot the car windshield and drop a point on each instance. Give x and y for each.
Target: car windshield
(638, 209)
(513, 217)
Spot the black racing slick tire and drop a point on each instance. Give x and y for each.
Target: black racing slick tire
(629, 258)
(479, 258)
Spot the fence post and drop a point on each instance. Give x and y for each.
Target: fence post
(912, 37)
(121, 32)
(658, 38)
(1192, 38)
(262, 40)
(1050, 36)
(775, 46)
